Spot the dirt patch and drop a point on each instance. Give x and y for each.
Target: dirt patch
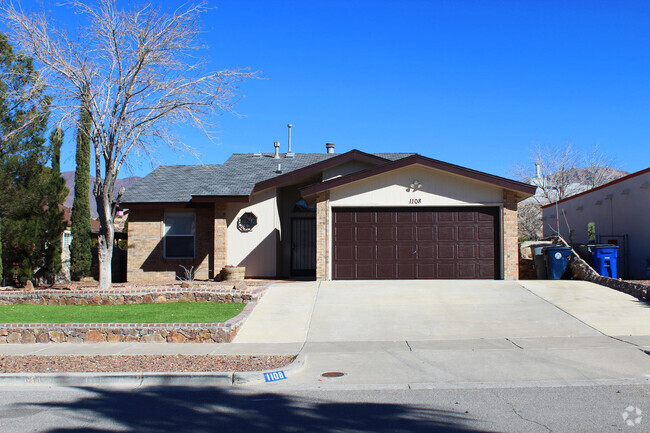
(140, 363)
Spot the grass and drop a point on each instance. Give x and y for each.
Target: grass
(174, 312)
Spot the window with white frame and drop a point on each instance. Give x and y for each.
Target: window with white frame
(180, 230)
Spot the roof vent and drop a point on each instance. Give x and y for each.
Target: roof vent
(329, 147)
(289, 154)
(257, 155)
(279, 170)
(277, 149)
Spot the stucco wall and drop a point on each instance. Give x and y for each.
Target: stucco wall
(438, 189)
(617, 210)
(256, 249)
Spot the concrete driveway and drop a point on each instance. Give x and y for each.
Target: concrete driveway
(436, 334)
(364, 311)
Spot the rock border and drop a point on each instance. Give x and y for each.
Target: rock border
(224, 332)
(583, 271)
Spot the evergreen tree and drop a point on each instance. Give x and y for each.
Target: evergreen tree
(24, 178)
(55, 225)
(80, 252)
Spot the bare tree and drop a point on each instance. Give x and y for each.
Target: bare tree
(559, 171)
(146, 77)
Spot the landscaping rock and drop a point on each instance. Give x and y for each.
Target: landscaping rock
(114, 338)
(57, 337)
(75, 340)
(3, 340)
(175, 337)
(28, 338)
(13, 338)
(4, 332)
(161, 300)
(43, 337)
(186, 285)
(240, 285)
(147, 299)
(153, 338)
(29, 286)
(94, 337)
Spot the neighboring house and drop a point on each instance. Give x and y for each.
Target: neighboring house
(66, 238)
(333, 216)
(615, 213)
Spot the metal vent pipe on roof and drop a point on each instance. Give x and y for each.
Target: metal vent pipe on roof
(276, 144)
(329, 147)
(289, 154)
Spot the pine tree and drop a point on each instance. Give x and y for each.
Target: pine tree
(55, 225)
(24, 177)
(80, 252)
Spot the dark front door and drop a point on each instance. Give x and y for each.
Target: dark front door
(399, 243)
(303, 246)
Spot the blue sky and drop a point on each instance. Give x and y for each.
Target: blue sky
(474, 83)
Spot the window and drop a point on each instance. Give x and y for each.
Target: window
(180, 228)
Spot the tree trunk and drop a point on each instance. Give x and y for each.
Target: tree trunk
(105, 239)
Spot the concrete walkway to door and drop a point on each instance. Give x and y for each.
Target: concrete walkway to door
(436, 333)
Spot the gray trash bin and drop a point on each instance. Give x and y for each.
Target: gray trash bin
(538, 260)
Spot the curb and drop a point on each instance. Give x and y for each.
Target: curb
(146, 379)
(257, 377)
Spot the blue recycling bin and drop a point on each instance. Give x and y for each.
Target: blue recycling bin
(557, 259)
(604, 259)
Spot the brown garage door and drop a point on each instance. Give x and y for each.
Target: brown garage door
(398, 243)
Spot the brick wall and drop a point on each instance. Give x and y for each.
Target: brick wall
(323, 236)
(146, 260)
(220, 247)
(510, 237)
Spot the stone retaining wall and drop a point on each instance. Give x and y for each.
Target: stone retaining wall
(17, 333)
(118, 297)
(583, 271)
(27, 333)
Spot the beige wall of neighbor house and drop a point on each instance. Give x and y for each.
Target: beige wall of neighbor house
(620, 210)
(256, 249)
(146, 261)
(436, 189)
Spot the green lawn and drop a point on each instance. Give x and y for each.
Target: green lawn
(173, 312)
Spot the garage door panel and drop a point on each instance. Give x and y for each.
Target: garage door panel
(467, 251)
(467, 269)
(386, 252)
(405, 233)
(446, 270)
(365, 271)
(385, 234)
(365, 217)
(386, 271)
(365, 234)
(366, 252)
(447, 251)
(445, 243)
(425, 270)
(344, 234)
(345, 271)
(405, 271)
(405, 252)
(425, 233)
(447, 233)
(466, 233)
(344, 252)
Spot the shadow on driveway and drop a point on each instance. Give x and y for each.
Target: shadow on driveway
(185, 409)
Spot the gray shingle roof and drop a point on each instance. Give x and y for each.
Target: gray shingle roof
(237, 176)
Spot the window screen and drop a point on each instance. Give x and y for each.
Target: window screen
(180, 229)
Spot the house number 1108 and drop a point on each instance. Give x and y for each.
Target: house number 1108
(415, 201)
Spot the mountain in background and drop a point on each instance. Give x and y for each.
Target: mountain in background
(69, 182)
(584, 176)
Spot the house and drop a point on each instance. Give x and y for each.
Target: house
(614, 213)
(353, 215)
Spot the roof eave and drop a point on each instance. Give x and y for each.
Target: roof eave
(523, 190)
